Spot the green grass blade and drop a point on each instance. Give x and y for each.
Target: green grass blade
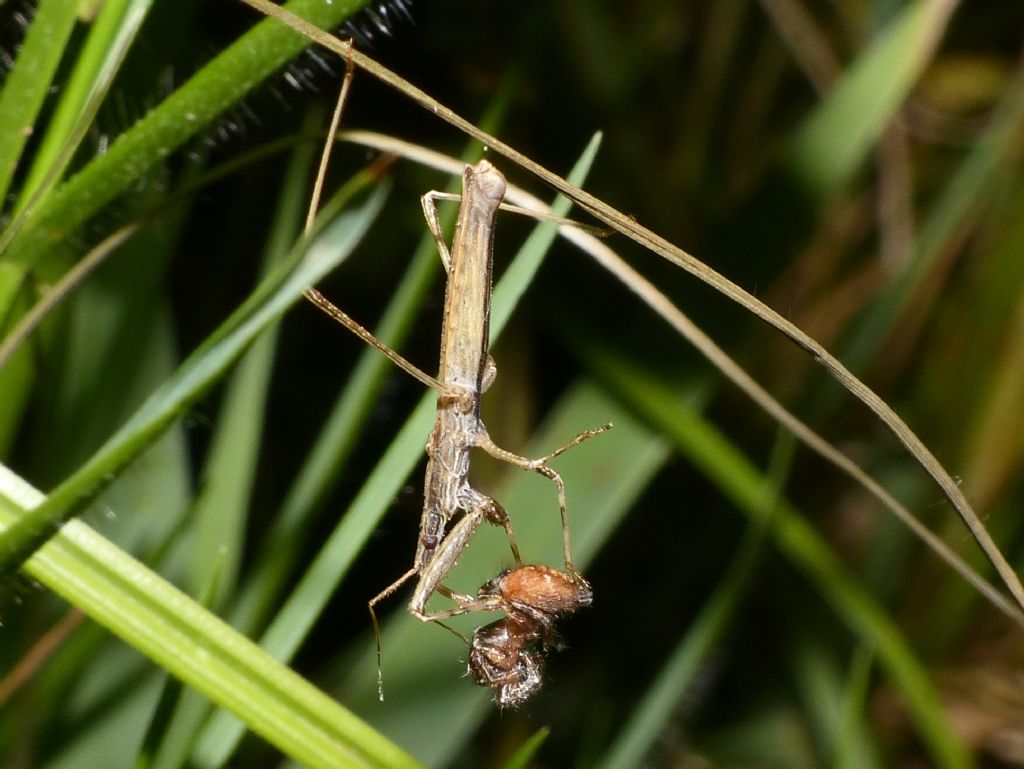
(194, 645)
(17, 374)
(27, 84)
(521, 758)
(111, 35)
(854, 748)
(185, 113)
(205, 365)
(222, 507)
(865, 99)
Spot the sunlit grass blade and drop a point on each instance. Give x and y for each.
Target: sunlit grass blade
(194, 645)
(26, 86)
(161, 735)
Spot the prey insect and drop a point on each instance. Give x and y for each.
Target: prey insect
(508, 655)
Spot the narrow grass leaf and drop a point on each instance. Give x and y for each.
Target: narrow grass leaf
(203, 367)
(26, 86)
(17, 373)
(522, 758)
(223, 505)
(110, 37)
(855, 748)
(178, 634)
(649, 718)
(189, 110)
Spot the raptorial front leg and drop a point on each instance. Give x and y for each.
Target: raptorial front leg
(480, 508)
(428, 201)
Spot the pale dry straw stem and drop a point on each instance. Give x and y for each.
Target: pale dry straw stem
(677, 256)
(657, 301)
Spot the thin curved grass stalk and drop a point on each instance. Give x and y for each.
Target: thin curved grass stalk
(658, 245)
(34, 659)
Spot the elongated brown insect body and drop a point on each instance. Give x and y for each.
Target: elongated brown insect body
(464, 358)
